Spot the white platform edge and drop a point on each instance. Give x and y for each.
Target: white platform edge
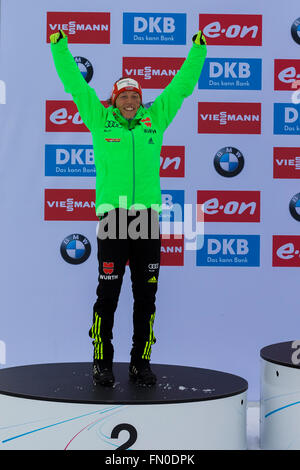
(279, 406)
(39, 424)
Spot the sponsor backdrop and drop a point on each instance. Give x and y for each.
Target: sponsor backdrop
(233, 149)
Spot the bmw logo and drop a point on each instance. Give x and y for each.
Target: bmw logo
(75, 249)
(85, 68)
(229, 161)
(295, 30)
(295, 206)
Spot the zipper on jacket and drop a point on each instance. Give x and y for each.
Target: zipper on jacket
(133, 168)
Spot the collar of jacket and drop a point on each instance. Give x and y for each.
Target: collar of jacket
(133, 122)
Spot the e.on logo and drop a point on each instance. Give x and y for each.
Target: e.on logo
(172, 161)
(231, 30)
(286, 251)
(228, 206)
(63, 116)
(286, 74)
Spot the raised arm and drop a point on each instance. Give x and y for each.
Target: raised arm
(182, 85)
(89, 106)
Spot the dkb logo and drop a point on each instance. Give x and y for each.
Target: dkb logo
(154, 28)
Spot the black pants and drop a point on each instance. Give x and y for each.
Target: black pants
(121, 238)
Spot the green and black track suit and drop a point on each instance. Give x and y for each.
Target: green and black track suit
(127, 160)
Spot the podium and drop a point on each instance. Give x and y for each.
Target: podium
(280, 396)
(57, 406)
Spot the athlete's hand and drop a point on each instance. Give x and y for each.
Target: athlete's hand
(199, 38)
(55, 37)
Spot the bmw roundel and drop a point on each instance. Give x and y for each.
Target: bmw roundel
(85, 68)
(295, 30)
(75, 249)
(229, 161)
(294, 206)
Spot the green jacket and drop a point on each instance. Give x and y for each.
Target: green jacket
(127, 153)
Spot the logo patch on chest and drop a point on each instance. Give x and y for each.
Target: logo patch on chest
(147, 122)
(113, 140)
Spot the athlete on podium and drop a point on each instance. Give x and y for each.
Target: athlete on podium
(127, 139)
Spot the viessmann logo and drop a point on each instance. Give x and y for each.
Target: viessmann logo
(79, 204)
(286, 162)
(229, 118)
(69, 204)
(152, 72)
(228, 206)
(286, 73)
(286, 251)
(231, 30)
(80, 27)
(172, 250)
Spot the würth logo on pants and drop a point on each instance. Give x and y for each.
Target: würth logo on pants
(108, 268)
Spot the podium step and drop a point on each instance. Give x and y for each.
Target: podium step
(57, 406)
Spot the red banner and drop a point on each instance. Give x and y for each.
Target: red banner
(228, 206)
(80, 27)
(286, 162)
(151, 72)
(229, 118)
(231, 30)
(286, 251)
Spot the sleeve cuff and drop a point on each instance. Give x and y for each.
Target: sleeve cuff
(62, 44)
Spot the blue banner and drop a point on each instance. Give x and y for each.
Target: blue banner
(69, 160)
(229, 250)
(231, 74)
(154, 28)
(172, 206)
(286, 118)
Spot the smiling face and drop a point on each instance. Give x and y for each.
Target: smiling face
(128, 102)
